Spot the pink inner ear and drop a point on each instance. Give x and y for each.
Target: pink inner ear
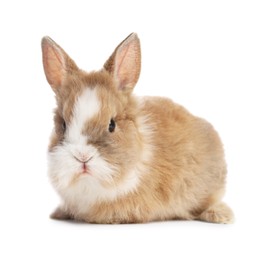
(53, 62)
(127, 64)
(121, 57)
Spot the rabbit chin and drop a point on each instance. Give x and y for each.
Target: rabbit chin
(82, 190)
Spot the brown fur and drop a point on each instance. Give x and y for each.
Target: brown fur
(185, 177)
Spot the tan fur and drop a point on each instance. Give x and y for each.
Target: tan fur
(178, 157)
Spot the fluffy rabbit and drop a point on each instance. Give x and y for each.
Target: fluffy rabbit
(117, 158)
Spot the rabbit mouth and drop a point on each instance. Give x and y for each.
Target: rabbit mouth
(85, 171)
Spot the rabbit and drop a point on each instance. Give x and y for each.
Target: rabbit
(118, 158)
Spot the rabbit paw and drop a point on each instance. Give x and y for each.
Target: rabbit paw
(60, 214)
(218, 213)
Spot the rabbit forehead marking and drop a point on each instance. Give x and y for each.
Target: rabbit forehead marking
(86, 107)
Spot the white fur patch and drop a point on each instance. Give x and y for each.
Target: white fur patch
(88, 188)
(86, 107)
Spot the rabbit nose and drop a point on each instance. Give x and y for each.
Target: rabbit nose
(83, 158)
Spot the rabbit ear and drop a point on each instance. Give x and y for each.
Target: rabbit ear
(124, 64)
(57, 64)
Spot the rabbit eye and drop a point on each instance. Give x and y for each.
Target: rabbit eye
(64, 126)
(111, 126)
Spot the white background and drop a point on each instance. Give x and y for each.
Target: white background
(217, 58)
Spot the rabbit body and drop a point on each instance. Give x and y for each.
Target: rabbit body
(118, 158)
